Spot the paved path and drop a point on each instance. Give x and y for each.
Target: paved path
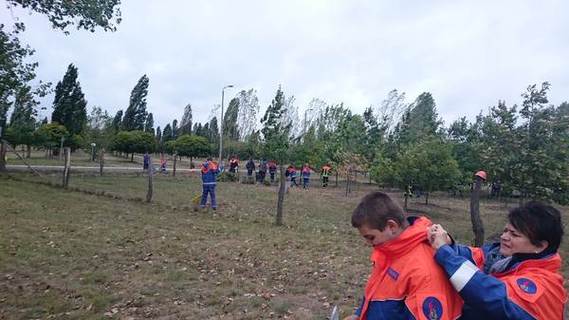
(21, 167)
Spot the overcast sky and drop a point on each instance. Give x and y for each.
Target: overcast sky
(468, 54)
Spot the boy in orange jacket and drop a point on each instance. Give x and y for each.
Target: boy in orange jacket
(405, 282)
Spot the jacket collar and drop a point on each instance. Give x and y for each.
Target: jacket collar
(412, 236)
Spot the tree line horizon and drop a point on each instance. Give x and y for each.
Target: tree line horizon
(524, 147)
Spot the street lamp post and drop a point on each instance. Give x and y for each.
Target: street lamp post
(93, 145)
(221, 124)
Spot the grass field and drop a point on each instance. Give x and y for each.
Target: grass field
(79, 255)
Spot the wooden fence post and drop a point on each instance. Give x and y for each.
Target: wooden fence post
(477, 226)
(67, 166)
(3, 149)
(150, 186)
(174, 169)
(101, 161)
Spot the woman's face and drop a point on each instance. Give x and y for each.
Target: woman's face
(512, 241)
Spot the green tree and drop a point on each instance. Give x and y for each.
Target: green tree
(85, 15)
(50, 135)
(191, 146)
(69, 104)
(175, 129)
(428, 164)
(149, 124)
(186, 124)
(213, 132)
(135, 115)
(248, 110)
(159, 135)
(135, 141)
(117, 121)
(167, 134)
(466, 147)
(542, 171)
(15, 70)
(420, 121)
(23, 122)
(276, 142)
(99, 129)
(230, 124)
(374, 134)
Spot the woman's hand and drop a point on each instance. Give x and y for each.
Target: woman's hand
(438, 236)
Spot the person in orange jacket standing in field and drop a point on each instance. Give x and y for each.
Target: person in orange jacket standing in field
(209, 171)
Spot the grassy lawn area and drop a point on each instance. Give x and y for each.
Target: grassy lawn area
(73, 255)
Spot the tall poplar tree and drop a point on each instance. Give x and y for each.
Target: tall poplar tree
(117, 120)
(149, 124)
(135, 115)
(69, 105)
(186, 124)
(230, 128)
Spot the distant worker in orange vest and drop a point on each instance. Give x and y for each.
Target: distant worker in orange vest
(305, 176)
(209, 180)
(325, 173)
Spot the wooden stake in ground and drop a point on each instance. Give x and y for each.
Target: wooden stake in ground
(150, 186)
(67, 166)
(3, 149)
(280, 199)
(477, 226)
(101, 161)
(174, 169)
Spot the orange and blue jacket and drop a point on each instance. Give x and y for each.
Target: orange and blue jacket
(529, 287)
(406, 282)
(209, 172)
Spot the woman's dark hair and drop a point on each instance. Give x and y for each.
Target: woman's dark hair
(375, 209)
(539, 222)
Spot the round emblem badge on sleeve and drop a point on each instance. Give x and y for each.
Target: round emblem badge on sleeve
(432, 308)
(527, 285)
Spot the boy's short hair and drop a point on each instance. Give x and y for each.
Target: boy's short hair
(539, 222)
(375, 209)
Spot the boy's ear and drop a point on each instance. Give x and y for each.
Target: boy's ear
(392, 224)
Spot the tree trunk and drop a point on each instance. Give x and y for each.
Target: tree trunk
(477, 226)
(3, 150)
(131, 157)
(337, 178)
(67, 166)
(101, 162)
(150, 191)
(347, 183)
(174, 169)
(280, 198)
(406, 200)
(427, 198)
(28, 151)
